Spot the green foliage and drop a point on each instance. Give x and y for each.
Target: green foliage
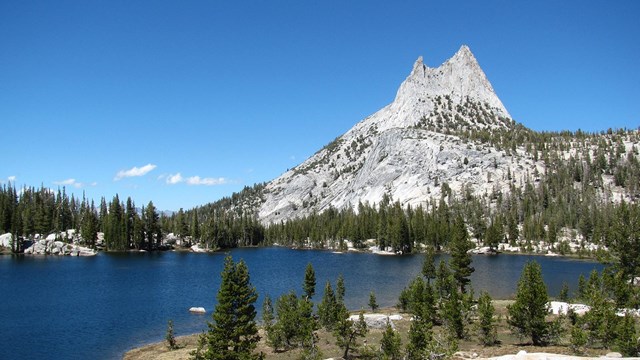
(527, 315)
(391, 344)
(287, 328)
(419, 299)
(373, 304)
(199, 352)
(274, 338)
(295, 325)
(340, 289)
(309, 285)
(347, 331)
(601, 319)
(564, 292)
(452, 315)
(460, 257)
(445, 284)
(627, 341)
(327, 309)
(420, 337)
(169, 337)
(582, 287)
(429, 266)
(494, 234)
(578, 340)
(487, 327)
(233, 334)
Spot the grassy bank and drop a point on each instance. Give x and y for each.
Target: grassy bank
(508, 343)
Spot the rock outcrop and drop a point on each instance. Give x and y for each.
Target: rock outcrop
(405, 150)
(63, 243)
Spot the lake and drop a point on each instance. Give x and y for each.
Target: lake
(99, 307)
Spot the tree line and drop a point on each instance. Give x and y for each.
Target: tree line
(442, 306)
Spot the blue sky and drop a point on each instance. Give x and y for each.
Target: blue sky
(184, 102)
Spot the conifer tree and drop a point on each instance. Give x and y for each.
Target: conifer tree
(347, 331)
(444, 283)
(195, 226)
(373, 304)
(233, 334)
(268, 323)
(288, 325)
(487, 322)
(340, 289)
(527, 314)
(627, 342)
(171, 339)
(420, 336)
(89, 227)
(309, 285)
(460, 258)
(390, 344)
(152, 227)
(564, 292)
(327, 308)
(429, 265)
(452, 315)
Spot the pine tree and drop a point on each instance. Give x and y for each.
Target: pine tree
(372, 301)
(582, 287)
(493, 235)
(327, 308)
(578, 340)
(340, 289)
(307, 326)
(309, 285)
(288, 325)
(171, 339)
(444, 283)
(390, 344)
(452, 315)
(195, 226)
(564, 292)
(627, 342)
(460, 257)
(268, 323)
(152, 227)
(233, 334)
(527, 314)
(420, 336)
(487, 322)
(347, 331)
(429, 265)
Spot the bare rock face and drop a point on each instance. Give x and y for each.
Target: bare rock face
(406, 150)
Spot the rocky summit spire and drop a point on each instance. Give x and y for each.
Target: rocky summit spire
(402, 149)
(418, 68)
(460, 77)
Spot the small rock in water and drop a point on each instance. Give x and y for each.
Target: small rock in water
(197, 310)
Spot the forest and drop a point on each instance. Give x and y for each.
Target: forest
(589, 197)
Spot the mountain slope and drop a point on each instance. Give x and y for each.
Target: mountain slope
(408, 149)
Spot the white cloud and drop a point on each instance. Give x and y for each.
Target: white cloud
(74, 183)
(11, 178)
(134, 171)
(174, 179)
(196, 180)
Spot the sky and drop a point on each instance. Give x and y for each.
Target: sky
(185, 102)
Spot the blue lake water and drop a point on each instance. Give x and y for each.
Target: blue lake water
(99, 307)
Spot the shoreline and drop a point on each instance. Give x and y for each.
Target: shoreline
(468, 349)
